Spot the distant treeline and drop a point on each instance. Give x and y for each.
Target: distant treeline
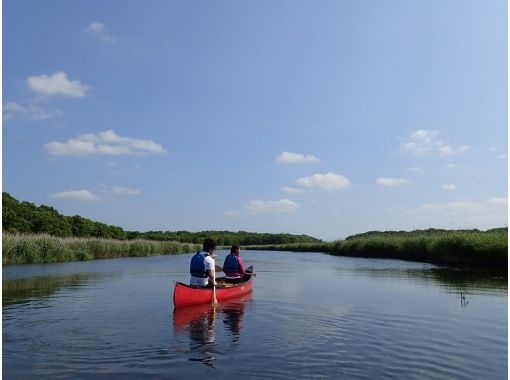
(415, 233)
(27, 218)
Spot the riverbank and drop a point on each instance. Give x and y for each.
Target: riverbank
(29, 249)
(481, 248)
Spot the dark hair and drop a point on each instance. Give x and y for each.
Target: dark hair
(234, 248)
(208, 245)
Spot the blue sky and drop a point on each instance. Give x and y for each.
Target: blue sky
(326, 118)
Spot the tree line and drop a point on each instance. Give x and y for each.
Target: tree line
(25, 217)
(418, 233)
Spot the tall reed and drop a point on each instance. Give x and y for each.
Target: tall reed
(488, 248)
(24, 249)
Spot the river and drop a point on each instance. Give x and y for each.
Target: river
(310, 316)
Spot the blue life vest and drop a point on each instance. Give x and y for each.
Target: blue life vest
(231, 264)
(197, 266)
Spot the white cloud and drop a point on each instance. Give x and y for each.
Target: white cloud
(416, 170)
(108, 143)
(447, 150)
(295, 158)
(13, 110)
(421, 142)
(502, 156)
(231, 213)
(57, 84)
(462, 214)
(119, 190)
(424, 141)
(292, 190)
(80, 195)
(449, 187)
(328, 181)
(283, 205)
(98, 29)
(391, 181)
(451, 166)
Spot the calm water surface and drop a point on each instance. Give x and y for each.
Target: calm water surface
(310, 316)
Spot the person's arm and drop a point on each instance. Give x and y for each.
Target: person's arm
(242, 267)
(211, 273)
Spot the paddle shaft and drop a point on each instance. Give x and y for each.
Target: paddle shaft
(214, 301)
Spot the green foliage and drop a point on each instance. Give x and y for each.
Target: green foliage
(473, 247)
(223, 238)
(25, 249)
(24, 217)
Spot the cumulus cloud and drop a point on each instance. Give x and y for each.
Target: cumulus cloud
(295, 158)
(424, 141)
(119, 190)
(328, 181)
(462, 214)
(57, 84)
(80, 195)
(13, 110)
(391, 181)
(283, 205)
(449, 187)
(99, 30)
(292, 190)
(107, 143)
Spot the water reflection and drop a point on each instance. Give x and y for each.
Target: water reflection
(232, 319)
(201, 322)
(22, 290)
(458, 280)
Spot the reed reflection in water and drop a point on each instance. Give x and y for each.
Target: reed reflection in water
(200, 323)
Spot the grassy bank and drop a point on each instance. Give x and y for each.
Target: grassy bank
(25, 249)
(489, 248)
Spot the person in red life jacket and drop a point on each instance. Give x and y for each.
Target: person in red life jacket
(201, 268)
(233, 266)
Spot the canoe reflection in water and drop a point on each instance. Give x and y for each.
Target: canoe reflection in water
(201, 321)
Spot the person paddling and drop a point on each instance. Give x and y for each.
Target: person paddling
(234, 267)
(202, 272)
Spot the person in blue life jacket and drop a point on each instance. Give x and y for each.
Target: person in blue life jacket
(234, 268)
(201, 269)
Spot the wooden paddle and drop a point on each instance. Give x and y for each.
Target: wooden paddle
(214, 301)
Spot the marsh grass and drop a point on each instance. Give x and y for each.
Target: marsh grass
(489, 248)
(25, 249)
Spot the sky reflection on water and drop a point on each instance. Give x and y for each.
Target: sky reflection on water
(310, 315)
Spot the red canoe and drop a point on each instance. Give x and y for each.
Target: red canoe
(186, 295)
